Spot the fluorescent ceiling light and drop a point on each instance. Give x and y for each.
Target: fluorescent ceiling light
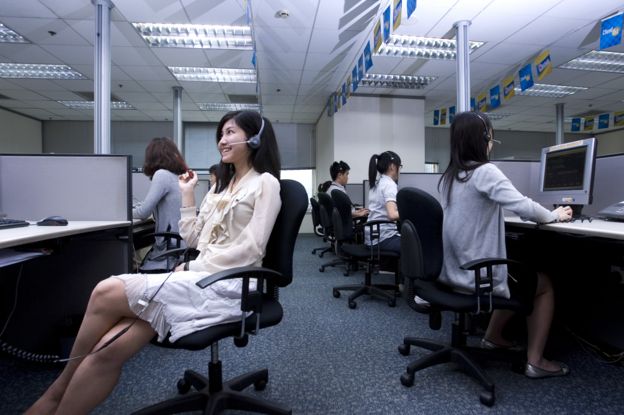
(219, 106)
(88, 105)
(422, 47)
(195, 36)
(38, 71)
(9, 36)
(397, 81)
(551, 91)
(190, 73)
(600, 61)
(497, 115)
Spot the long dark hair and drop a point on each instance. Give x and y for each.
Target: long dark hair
(162, 153)
(470, 136)
(381, 163)
(264, 159)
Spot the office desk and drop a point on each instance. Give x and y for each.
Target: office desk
(54, 289)
(586, 263)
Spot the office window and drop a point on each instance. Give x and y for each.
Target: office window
(303, 176)
(200, 146)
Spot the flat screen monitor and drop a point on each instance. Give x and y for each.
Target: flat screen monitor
(567, 173)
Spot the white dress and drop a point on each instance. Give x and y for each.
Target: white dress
(232, 229)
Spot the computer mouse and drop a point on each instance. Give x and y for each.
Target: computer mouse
(53, 221)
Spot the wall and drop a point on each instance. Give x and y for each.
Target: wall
(611, 142)
(324, 147)
(19, 134)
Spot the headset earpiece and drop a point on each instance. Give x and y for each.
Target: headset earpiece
(254, 141)
(486, 130)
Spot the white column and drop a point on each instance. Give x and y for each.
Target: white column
(559, 124)
(177, 116)
(101, 81)
(463, 65)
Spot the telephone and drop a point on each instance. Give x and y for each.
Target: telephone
(613, 212)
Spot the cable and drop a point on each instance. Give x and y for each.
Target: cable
(604, 357)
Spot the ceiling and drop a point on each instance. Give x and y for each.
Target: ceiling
(302, 59)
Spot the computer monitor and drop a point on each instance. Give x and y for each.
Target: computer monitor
(567, 174)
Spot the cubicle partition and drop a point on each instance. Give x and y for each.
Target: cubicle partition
(141, 184)
(356, 193)
(77, 187)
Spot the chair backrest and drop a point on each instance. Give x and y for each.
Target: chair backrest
(327, 206)
(342, 205)
(424, 212)
(281, 245)
(316, 212)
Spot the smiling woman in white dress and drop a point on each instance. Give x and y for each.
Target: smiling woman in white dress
(231, 229)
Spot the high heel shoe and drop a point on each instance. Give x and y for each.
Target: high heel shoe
(535, 372)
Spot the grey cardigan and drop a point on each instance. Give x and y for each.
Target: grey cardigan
(474, 225)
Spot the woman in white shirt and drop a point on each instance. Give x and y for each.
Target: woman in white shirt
(231, 230)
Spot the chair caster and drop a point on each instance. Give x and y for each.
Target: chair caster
(321, 269)
(352, 304)
(260, 385)
(404, 349)
(336, 293)
(183, 386)
(407, 379)
(487, 398)
(392, 303)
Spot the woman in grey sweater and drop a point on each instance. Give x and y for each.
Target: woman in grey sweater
(163, 164)
(474, 193)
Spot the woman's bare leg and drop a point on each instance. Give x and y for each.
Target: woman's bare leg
(107, 306)
(494, 331)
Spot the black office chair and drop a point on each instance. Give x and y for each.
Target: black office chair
(421, 263)
(213, 395)
(327, 206)
(318, 228)
(370, 256)
(167, 259)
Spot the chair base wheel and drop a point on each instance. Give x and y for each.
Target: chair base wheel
(184, 386)
(321, 269)
(336, 293)
(260, 385)
(352, 304)
(404, 349)
(407, 379)
(487, 398)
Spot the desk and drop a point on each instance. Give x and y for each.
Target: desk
(54, 289)
(586, 263)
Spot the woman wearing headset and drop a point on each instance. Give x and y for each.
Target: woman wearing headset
(231, 230)
(474, 193)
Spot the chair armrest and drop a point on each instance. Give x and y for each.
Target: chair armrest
(176, 252)
(172, 235)
(487, 262)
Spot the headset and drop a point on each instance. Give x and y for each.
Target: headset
(486, 131)
(254, 141)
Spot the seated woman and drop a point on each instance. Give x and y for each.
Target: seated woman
(163, 164)
(474, 193)
(232, 229)
(382, 198)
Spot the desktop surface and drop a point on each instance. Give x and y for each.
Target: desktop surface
(594, 227)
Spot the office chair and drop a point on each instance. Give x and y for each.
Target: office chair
(168, 259)
(327, 206)
(264, 310)
(352, 252)
(318, 228)
(421, 263)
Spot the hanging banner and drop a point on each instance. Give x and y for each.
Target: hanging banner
(482, 102)
(330, 106)
(436, 117)
(361, 68)
(368, 57)
(377, 40)
(611, 31)
(338, 100)
(349, 86)
(343, 94)
(473, 104)
(411, 6)
(526, 77)
(508, 87)
(443, 116)
(386, 24)
(396, 15)
(588, 125)
(451, 114)
(618, 119)
(495, 97)
(543, 64)
(354, 79)
(603, 121)
(576, 124)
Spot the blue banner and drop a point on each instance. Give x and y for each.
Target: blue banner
(330, 106)
(495, 97)
(526, 77)
(603, 121)
(354, 79)
(344, 94)
(611, 31)
(473, 104)
(361, 68)
(411, 6)
(451, 114)
(576, 124)
(386, 24)
(368, 56)
(436, 117)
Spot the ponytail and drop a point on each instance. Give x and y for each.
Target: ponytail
(381, 163)
(372, 171)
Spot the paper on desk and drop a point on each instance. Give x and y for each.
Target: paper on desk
(11, 256)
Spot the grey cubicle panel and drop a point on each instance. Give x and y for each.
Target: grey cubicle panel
(423, 181)
(523, 174)
(608, 183)
(355, 191)
(77, 187)
(140, 186)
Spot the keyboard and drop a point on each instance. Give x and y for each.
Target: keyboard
(12, 223)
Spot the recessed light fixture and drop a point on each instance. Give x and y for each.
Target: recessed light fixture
(397, 81)
(282, 14)
(220, 106)
(422, 47)
(88, 105)
(38, 71)
(550, 91)
(497, 115)
(9, 36)
(600, 61)
(193, 73)
(164, 35)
